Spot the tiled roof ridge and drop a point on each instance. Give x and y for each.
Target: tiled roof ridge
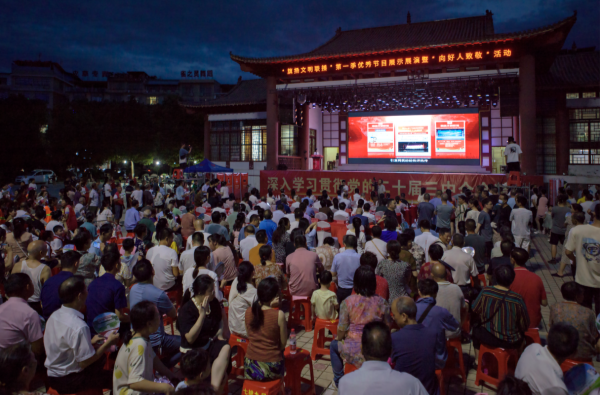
(222, 100)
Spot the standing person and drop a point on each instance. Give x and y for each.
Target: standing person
(478, 243)
(529, 285)
(396, 272)
(582, 247)
(94, 199)
(425, 209)
(542, 209)
(118, 203)
(520, 219)
(443, 212)
(132, 216)
(184, 153)
(36, 270)
(559, 227)
(380, 188)
(69, 263)
(19, 239)
(344, 266)
(513, 152)
(484, 226)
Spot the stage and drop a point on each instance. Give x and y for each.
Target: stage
(395, 182)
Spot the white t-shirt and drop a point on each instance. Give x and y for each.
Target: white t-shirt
(94, 198)
(139, 196)
(163, 259)
(103, 216)
(188, 244)
(79, 210)
(512, 152)
(538, 368)
(520, 219)
(186, 260)
(426, 239)
(586, 206)
(361, 241)
(377, 247)
(107, 190)
(188, 280)
(135, 362)
(238, 304)
(584, 241)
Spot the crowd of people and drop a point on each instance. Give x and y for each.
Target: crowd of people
(217, 265)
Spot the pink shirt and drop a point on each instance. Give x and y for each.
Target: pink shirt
(302, 268)
(18, 322)
(542, 206)
(187, 224)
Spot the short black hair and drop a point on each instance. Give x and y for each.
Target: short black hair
(570, 291)
(350, 241)
(443, 231)
(520, 255)
(376, 231)
(376, 341)
(436, 252)
(506, 247)
(198, 237)
(81, 239)
(69, 259)
(261, 236)
(215, 217)
(428, 287)
(329, 241)
(140, 229)
(70, 289)
(142, 270)
(365, 282)
(128, 244)
(194, 362)
(165, 233)
(505, 275)
(16, 283)
(562, 340)
(57, 228)
(300, 240)
(425, 224)
(326, 277)
(110, 259)
(368, 259)
(458, 240)
(470, 225)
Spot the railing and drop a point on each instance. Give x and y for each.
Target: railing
(292, 162)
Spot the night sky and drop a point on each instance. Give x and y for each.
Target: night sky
(165, 37)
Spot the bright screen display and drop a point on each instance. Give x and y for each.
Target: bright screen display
(450, 138)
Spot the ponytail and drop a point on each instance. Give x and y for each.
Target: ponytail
(257, 316)
(245, 272)
(265, 254)
(357, 223)
(200, 255)
(268, 289)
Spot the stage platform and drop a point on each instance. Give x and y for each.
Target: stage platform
(395, 182)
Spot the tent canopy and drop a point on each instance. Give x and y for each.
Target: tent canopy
(207, 166)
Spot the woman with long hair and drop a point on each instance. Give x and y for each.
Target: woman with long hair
(20, 238)
(361, 239)
(267, 268)
(237, 228)
(136, 359)
(202, 260)
(106, 215)
(280, 238)
(475, 210)
(69, 213)
(241, 297)
(267, 331)
(199, 323)
(222, 253)
(17, 368)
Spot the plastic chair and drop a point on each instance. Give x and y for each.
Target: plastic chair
(242, 348)
(451, 369)
(318, 347)
(226, 291)
(533, 336)
(501, 367)
(130, 235)
(169, 321)
(570, 363)
(333, 287)
(94, 391)
(349, 368)
(514, 178)
(299, 303)
(339, 230)
(323, 231)
(440, 376)
(294, 363)
(55, 270)
(274, 387)
(175, 297)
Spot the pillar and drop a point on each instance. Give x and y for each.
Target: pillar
(206, 138)
(527, 113)
(304, 139)
(562, 135)
(272, 125)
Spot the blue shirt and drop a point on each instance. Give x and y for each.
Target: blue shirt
(91, 228)
(141, 292)
(363, 219)
(441, 319)
(269, 226)
(95, 247)
(179, 192)
(413, 352)
(216, 228)
(49, 295)
(345, 264)
(242, 236)
(389, 235)
(310, 238)
(511, 202)
(105, 295)
(132, 217)
(418, 232)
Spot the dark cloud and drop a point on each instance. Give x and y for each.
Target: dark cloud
(165, 37)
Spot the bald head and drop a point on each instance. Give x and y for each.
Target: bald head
(439, 272)
(198, 224)
(37, 249)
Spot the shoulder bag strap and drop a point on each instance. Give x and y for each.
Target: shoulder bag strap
(378, 250)
(424, 315)
(495, 312)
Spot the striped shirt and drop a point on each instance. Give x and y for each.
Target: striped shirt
(512, 319)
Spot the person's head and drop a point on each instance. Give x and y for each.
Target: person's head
(37, 249)
(329, 241)
(326, 278)
(470, 226)
(367, 207)
(368, 259)
(365, 281)
(264, 252)
(404, 311)
(376, 341)
(19, 285)
(145, 320)
(458, 240)
(391, 224)
(391, 205)
(202, 287)
(134, 202)
(40, 213)
(254, 220)
(201, 258)
(487, 204)
(70, 261)
(511, 385)
(111, 261)
(215, 217)
(563, 340)
(19, 227)
(505, 275)
(140, 231)
(195, 364)
(571, 291)
(268, 214)
(579, 218)
(519, 256)
(17, 368)
(105, 232)
(73, 292)
(424, 225)
(197, 239)
(261, 236)
(436, 252)
(426, 197)
(342, 206)
(249, 231)
(282, 228)
(245, 272)
(59, 231)
(266, 292)
(506, 247)
(356, 224)
(166, 236)
(143, 271)
(350, 242)
(428, 288)
(445, 235)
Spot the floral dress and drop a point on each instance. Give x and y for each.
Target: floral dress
(355, 312)
(326, 254)
(263, 271)
(280, 248)
(418, 253)
(88, 267)
(397, 274)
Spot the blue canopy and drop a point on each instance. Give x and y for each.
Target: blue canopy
(207, 166)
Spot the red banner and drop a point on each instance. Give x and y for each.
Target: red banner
(395, 183)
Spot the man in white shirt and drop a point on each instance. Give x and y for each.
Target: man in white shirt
(263, 203)
(367, 212)
(198, 227)
(72, 362)
(356, 196)
(278, 214)
(539, 366)
(512, 152)
(425, 239)
(248, 243)
(165, 262)
(186, 261)
(219, 208)
(463, 263)
(341, 212)
(138, 195)
(346, 201)
(520, 219)
(450, 297)
(344, 186)
(376, 245)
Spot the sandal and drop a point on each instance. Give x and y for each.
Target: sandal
(558, 275)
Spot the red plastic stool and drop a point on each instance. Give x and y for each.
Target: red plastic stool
(130, 235)
(533, 336)
(569, 363)
(294, 318)
(318, 347)
(450, 369)
(175, 297)
(502, 368)
(482, 280)
(514, 178)
(440, 377)
(333, 287)
(349, 368)
(226, 291)
(94, 391)
(168, 321)
(242, 348)
(274, 387)
(466, 325)
(294, 363)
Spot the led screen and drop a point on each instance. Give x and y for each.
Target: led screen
(421, 138)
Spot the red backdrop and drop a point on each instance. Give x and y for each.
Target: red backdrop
(395, 183)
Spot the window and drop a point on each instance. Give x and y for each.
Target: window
(153, 100)
(312, 144)
(584, 113)
(584, 128)
(331, 132)
(238, 140)
(573, 95)
(289, 140)
(588, 95)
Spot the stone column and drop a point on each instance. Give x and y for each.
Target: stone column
(272, 125)
(527, 112)
(206, 138)
(304, 139)
(562, 135)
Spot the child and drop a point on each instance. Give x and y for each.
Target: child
(195, 366)
(324, 302)
(548, 221)
(128, 261)
(136, 359)
(57, 242)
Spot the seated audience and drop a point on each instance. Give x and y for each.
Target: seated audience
(450, 297)
(69, 263)
(356, 311)
(267, 331)
(396, 272)
(195, 367)
(511, 385)
(324, 302)
(390, 232)
(506, 247)
(426, 238)
(436, 252)
(383, 289)
(221, 252)
(248, 243)
(376, 376)
(165, 262)
(261, 239)
(302, 267)
(73, 363)
(280, 238)
(344, 265)
(462, 262)
(136, 361)
(201, 260)
(241, 297)
(360, 235)
(326, 252)
(18, 366)
(529, 285)
(267, 267)
(89, 262)
(186, 260)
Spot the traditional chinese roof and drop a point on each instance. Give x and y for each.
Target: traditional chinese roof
(410, 36)
(573, 69)
(244, 93)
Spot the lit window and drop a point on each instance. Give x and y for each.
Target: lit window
(573, 95)
(153, 100)
(588, 95)
(579, 156)
(43, 129)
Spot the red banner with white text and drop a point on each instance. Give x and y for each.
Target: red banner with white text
(395, 183)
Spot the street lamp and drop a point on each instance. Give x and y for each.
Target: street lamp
(158, 162)
(125, 161)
